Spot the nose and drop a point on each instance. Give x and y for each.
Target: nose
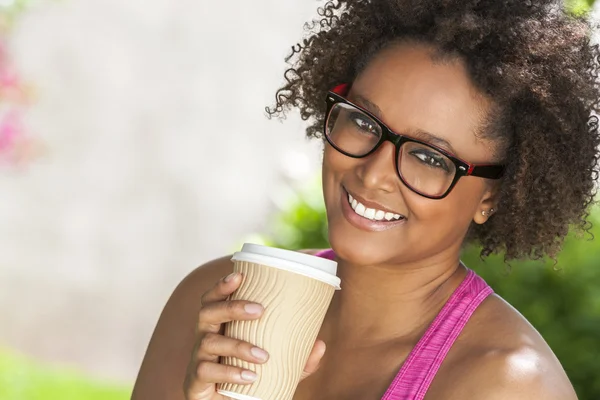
(378, 170)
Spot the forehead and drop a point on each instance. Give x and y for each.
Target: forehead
(418, 91)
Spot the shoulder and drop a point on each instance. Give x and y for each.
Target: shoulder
(500, 355)
(522, 373)
(163, 368)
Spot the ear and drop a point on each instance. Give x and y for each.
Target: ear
(489, 202)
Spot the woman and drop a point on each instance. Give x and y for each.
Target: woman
(445, 122)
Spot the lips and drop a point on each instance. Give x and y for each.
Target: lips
(371, 210)
(375, 217)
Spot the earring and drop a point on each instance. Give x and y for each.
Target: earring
(488, 213)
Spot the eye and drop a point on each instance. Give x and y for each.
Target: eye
(431, 159)
(364, 123)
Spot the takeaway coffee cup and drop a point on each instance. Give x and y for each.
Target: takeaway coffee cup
(295, 290)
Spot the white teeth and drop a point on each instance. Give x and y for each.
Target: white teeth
(360, 210)
(371, 213)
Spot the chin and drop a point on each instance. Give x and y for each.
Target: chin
(359, 249)
(356, 246)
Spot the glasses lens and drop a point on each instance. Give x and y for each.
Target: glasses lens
(351, 130)
(425, 169)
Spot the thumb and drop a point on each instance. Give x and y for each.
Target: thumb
(312, 365)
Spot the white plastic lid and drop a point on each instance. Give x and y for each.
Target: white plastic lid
(315, 267)
(237, 395)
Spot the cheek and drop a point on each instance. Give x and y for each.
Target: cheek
(329, 173)
(334, 165)
(453, 213)
(335, 161)
(444, 223)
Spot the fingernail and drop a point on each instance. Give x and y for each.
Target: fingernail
(230, 277)
(249, 376)
(253, 308)
(259, 354)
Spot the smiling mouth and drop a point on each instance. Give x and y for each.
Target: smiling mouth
(373, 214)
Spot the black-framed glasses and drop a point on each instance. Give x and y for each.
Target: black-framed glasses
(424, 168)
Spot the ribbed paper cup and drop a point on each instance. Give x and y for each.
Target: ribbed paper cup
(296, 290)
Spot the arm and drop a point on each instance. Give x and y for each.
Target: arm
(163, 369)
(521, 375)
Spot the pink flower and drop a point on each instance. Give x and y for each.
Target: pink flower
(10, 129)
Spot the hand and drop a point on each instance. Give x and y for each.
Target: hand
(204, 370)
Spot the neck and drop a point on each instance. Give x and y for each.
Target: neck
(379, 304)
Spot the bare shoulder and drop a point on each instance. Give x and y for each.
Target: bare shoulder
(162, 371)
(500, 355)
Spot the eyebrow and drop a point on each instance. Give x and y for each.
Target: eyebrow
(433, 139)
(417, 133)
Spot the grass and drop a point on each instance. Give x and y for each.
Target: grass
(25, 379)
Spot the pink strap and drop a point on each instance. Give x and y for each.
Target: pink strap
(327, 253)
(419, 369)
(424, 361)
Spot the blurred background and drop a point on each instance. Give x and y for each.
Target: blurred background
(134, 147)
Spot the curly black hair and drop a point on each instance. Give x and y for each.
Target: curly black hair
(535, 61)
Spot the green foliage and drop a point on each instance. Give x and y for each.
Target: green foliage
(579, 7)
(562, 301)
(23, 379)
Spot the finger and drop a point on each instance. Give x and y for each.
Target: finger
(213, 346)
(314, 359)
(222, 289)
(213, 315)
(208, 373)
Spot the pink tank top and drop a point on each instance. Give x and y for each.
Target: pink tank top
(423, 362)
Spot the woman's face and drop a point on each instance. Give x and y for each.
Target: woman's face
(410, 92)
